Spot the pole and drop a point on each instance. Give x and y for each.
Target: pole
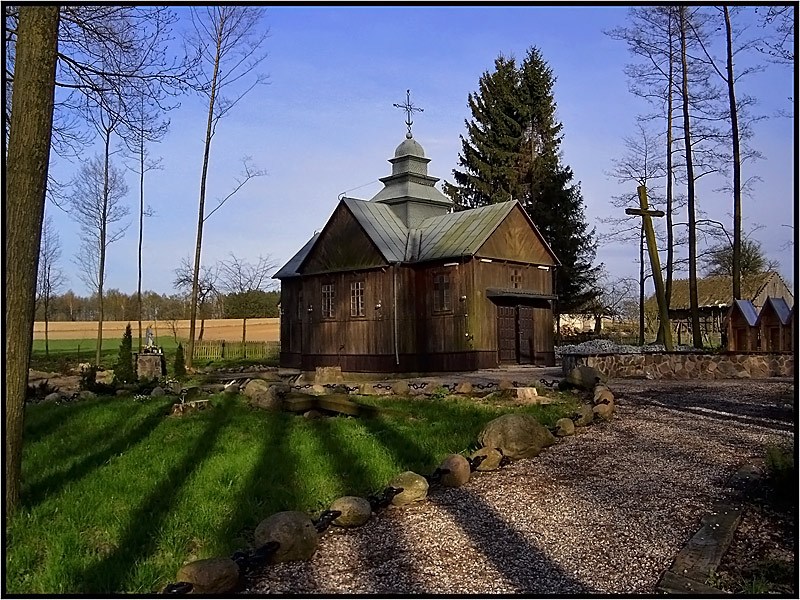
(655, 264)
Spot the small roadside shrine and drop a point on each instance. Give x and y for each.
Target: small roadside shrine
(742, 327)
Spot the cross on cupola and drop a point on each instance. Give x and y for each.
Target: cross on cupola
(409, 108)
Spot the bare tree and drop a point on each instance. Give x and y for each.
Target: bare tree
(97, 206)
(610, 299)
(29, 137)
(229, 40)
(206, 286)
(778, 44)
(50, 278)
(241, 279)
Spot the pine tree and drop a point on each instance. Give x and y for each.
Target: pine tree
(180, 363)
(123, 370)
(512, 152)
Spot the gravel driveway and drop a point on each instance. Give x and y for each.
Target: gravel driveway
(605, 511)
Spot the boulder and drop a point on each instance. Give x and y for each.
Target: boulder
(157, 392)
(603, 397)
(231, 388)
(265, 396)
(505, 384)
(210, 575)
(492, 459)
(433, 388)
(603, 412)
(583, 416)
(53, 397)
(122, 392)
(516, 435)
(400, 388)
(564, 427)
(106, 376)
(355, 511)
(293, 530)
(213, 388)
(312, 415)
(415, 488)
(585, 377)
(86, 395)
(192, 393)
(458, 468)
(369, 389)
(464, 387)
(328, 375)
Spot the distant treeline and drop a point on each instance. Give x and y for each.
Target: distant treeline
(119, 306)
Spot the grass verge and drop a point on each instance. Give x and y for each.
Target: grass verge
(117, 495)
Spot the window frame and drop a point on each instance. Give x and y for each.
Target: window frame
(358, 299)
(328, 300)
(442, 293)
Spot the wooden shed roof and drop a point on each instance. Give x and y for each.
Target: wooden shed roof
(748, 311)
(781, 308)
(716, 291)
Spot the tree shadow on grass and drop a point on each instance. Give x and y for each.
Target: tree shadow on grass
(38, 491)
(43, 419)
(140, 538)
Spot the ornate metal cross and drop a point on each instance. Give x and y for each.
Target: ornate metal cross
(409, 108)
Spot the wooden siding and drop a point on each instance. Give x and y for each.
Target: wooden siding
(514, 239)
(342, 245)
(775, 336)
(741, 336)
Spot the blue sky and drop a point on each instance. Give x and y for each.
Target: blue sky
(325, 124)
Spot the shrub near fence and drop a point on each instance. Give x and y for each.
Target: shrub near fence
(220, 349)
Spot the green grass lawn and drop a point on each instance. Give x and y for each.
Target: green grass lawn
(117, 495)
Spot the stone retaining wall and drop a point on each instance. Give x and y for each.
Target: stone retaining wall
(685, 365)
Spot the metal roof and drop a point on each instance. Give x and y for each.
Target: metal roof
(748, 311)
(290, 268)
(382, 226)
(460, 233)
(781, 309)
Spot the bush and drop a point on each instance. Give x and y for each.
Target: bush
(123, 370)
(41, 390)
(180, 364)
(88, 381)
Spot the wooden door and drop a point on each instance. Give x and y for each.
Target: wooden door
(774, 339)
(507, 333)
(525, 334)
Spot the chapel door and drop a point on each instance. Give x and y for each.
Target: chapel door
(507, 334)
(525, 334)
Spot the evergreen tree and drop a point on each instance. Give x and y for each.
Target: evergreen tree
(123, 370)
(512, 152)
(180, 363)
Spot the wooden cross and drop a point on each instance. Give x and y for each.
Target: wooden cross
(409, 108)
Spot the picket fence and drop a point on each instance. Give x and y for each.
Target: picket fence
(221, 349)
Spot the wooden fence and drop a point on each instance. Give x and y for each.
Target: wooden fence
(220, 349)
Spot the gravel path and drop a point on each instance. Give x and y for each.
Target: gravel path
(605, 511)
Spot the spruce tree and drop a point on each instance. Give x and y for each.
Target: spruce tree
(123, 370)
(180, 363)
(512, 152)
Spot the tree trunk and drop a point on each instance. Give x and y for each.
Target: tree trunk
(141, 232)
(201, 210)
(697, 339)
(102, 248)
(641, 285)
(27, 162)
(46, 306)
(669, 194)
(737, 164)
(202, 327)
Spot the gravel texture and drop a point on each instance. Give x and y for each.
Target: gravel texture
(605, 511)
(601, 346)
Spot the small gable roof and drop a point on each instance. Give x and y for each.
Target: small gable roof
(781, 308)
(382, 226)
(748, 311)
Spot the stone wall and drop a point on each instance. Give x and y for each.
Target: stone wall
(685, 365)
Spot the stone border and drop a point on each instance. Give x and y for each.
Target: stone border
(222, 575)
(685, 365)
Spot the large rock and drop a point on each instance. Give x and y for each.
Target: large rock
(516, 435)
(464, 387)
(564, 427)
(210, 575)
(603, 411)
(602, 396)
(86, 395)
(491, 460)
(583, 416)
(415, 488)
(265, 396)
(355, 511)
(52, 397)
(585, 377)
(293, 530)
(400, 388)
(157, 392)
(458, 468)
